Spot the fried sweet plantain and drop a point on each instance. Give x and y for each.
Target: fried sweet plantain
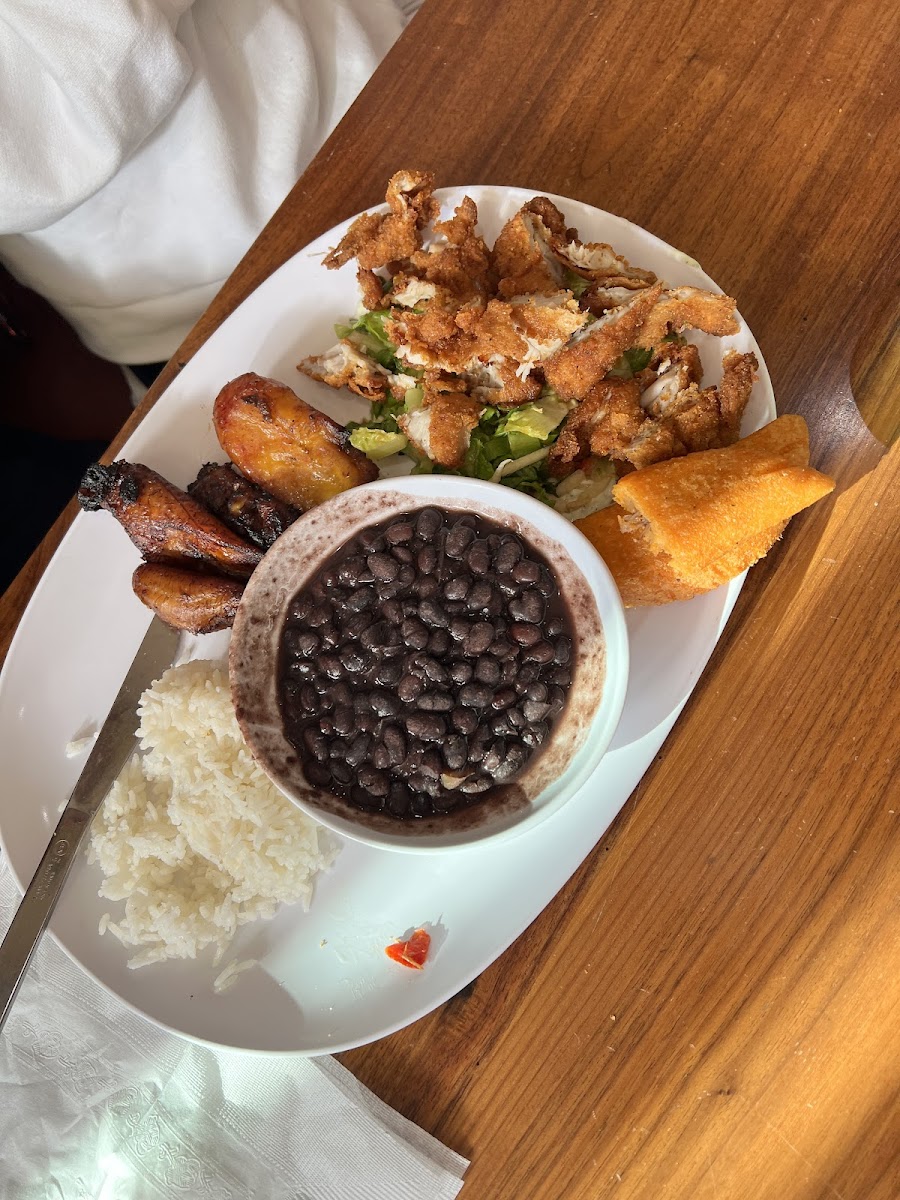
(188, 600)
(284, 445)
(165, 523)
(241, 505)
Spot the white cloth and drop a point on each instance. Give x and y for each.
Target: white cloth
(98, 1104)
(145, 143)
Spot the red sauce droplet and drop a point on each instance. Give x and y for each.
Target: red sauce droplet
(411, 953)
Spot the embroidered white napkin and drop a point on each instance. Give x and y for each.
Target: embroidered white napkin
(98, 1104)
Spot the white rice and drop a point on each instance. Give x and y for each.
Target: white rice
(193, 836)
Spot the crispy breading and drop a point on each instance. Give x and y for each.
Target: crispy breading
(344, 366)
(581, 364)
(371, 288)
(713, 511)
(441, 428)
(734, 392)
(523, 261)
(375, 239)
(461, 265)
(689, 308)
(673, 366)
(500, 385)
(609, 417)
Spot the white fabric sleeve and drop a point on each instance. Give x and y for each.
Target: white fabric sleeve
(81, 87)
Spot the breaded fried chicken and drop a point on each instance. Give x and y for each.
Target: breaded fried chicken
(442, 427)
(608, 418)
(344, 366)
(375, 239)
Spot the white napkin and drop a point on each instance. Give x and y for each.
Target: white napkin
(98, 1104)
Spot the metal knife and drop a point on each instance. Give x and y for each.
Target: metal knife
(114, 745)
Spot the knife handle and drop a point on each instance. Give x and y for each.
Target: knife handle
(38, 903)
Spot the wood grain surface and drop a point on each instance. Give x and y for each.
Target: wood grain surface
(710, 1007)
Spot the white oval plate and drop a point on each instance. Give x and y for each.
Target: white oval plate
(324, 983)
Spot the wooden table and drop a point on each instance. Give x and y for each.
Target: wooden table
(710, 1007)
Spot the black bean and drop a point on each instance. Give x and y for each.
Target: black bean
(459, 629)
(536, 690)
(426, 559)
(435, 702)
(392, 610)
(427, 726)
(351, 569)
(540, 652)
(561, 676)
(330, 636)
(385, 704)
(414, 633)
(507, 556)
(535, 710)
(433, 614)
(300, 669)
(360, 700)
(523, 633)
(337, 749)
(494, 756)
(503, 648)
(356, 659)
(555, 626)
(508, 586)
(434, 670)
(479, 558)
(308, 697)
(475, 784)
(487, 670)
(361, 599)
(389, 673)
(342, 693)
(357, 623)
(371, 539)
(512, 762)
(317, 615)
(557, 700)
(479, 638)
(526, 571)
(426, 587)
(331, 665)
(500, 725)
(400, 531)
(299, 607)
(406, 577)
(367, 722)
(343, 719)
(464, 720)
(459, 538)
(457, 586)
(424, 784)
(375, 782)
(515, 717)
(445, 801)
(545, 582)
(395, 743)
(535, 735)
(383, 567)
(528, 607)
(480, 596)
(315, 743)
(475, 695)
(308, 643)
(380, 756)
(504, 698)
(403, 555)
(461, 672)
(455, 752)
(439, 642)
(410, 688)
(363, 799)
(562, 649)
(341, 771)
(428, 522)
(432, 764)
(358, 749)
(496, 605)
(320, 682)
(398, 800)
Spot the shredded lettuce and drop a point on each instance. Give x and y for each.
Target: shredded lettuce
(586, 491)
(538, 420)
(377, 443)
(368, 334)
(413, 398)
(576, 283)
(631, 362)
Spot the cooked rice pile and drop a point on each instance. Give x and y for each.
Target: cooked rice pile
(193, 836)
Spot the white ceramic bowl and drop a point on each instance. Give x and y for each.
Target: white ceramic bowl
(582, 732)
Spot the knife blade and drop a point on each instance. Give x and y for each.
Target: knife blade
(114, 744)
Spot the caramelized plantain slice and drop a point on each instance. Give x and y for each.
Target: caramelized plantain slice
(241, 505)
(186, 599)
(165, 523)
(284, 444)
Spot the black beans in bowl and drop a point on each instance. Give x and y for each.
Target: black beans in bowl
(424, 664)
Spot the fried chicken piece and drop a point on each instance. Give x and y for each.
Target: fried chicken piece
(371, 288)
(345, 366)
(523, 260)
(165, 523)
(500, 385)
(673, 367)
(188, 600)
(460, 264)
(375, 239)
(608, 418)
(694, 419)
(442, 427)
(241, 505)
(581, 364)
(689, 308)
(284, 445)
